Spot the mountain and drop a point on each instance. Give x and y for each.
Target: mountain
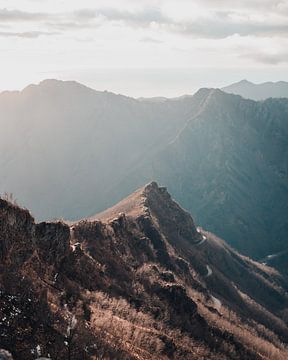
(66, 141)
(69, 151)
(228, 166)
(137, 281)
(263, 91)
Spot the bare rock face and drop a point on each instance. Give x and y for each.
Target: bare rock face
(53, 241)
(16, 227)
(138, 281)
(172, 219)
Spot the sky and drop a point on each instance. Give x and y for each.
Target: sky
(143, 47)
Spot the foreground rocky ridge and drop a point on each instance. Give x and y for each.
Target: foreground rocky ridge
(138, 281)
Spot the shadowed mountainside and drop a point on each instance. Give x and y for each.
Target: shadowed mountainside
(228, 166)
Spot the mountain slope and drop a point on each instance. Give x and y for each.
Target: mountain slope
(67, 141)
(228, 166)
(142, 285)
(262, 91)
(224, 158)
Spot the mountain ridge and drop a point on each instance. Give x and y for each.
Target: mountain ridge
(227, 119)
(234, 88)
(261, 91)
(211, 155)
(139, 285)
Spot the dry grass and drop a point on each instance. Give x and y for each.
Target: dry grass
(253, 335)
(140, 334)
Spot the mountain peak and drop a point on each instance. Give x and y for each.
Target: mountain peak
(154, 202)
(152, 188)
(203, 92)
(259, 91)
(135, 204)
(245, 81)
(53, 84)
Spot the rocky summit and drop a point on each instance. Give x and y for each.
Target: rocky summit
(137, 281)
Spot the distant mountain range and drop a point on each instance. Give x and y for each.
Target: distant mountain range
(70, 151)
(139, 281)
(66, 141)
(228, 165)
(263, 91)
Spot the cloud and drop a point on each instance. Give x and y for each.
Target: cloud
(17, 15)
(151, 40)
(141, 17)
(213, 24)
(220, 25)
(60, 21)
(93, 18)
(262, 5)
(270, 59)
(26, 34)
(85, 18)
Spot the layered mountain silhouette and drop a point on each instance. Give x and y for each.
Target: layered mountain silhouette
(249, 90)
(69, 151)
(137, 281)
(66, 141)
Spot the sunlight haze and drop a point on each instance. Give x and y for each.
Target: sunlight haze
(150, 47)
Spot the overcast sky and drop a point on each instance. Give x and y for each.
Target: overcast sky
(143, 47)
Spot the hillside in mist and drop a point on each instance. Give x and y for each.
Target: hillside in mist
(228, 166)
(69, 151)
(249, 90)
(66, 141)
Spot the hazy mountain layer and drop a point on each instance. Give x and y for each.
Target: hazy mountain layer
(62, 144)
(229, 166)
(142, 284)
(262, 91)
(69, 151)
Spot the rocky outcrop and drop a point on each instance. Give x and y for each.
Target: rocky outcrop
(52, 241)
(126, 284)
(16, 227)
